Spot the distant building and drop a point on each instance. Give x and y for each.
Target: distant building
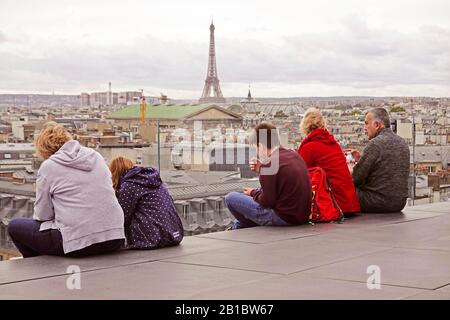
(290, 109)
(420, 137)
(173, 116)
(16, 151)
(133, 151)
(99, 98)
(405, 130)
(92, 140)
(129, 97)
(4, 137)
(428, 166)
(109, 98)
(113, 98)
(431, 159)
(249, 103)
(85, 99)
(17, 128)
(104, 98)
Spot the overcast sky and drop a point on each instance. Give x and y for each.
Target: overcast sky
(282, 48)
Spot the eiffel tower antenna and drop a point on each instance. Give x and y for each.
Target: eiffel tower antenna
(212, 81)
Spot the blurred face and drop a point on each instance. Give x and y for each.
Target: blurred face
(371, 127)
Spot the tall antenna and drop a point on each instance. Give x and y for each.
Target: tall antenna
(142, 108)
(109, 95)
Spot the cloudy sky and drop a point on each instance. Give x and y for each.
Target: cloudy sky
(281, 48)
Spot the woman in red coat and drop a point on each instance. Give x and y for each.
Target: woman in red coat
(320, 149)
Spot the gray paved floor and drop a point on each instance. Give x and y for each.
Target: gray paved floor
(325, 261)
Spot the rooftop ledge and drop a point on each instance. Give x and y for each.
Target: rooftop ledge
(324, 261)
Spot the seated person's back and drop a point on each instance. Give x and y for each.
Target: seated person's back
(381, 175)
(284, 197)
(76, 212)
(288, 191)
(151, 220)
(320, 149)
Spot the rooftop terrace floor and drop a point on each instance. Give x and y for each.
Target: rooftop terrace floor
(325, 261)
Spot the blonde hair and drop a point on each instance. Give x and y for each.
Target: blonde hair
(119, 166)
(313, 119)
(51, 138)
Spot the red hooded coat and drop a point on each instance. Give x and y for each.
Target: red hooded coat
(320, 149)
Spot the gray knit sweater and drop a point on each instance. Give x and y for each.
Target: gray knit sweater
(381, 175)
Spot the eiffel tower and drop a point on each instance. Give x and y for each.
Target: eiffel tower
(212, 81)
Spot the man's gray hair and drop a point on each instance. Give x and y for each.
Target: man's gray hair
(380, 114)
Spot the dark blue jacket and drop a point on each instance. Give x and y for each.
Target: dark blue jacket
(151, 220)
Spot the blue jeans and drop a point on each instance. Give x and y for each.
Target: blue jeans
(249, 213)
(31, 242)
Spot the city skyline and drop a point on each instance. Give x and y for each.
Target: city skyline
(295, 49)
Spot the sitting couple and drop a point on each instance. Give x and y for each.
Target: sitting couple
(83, 208)
(379, 183)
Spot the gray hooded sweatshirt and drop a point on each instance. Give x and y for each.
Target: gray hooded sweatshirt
(74, 194)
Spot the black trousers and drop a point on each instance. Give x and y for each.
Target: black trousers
(31, 242)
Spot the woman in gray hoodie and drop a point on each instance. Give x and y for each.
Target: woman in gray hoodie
(76, 211)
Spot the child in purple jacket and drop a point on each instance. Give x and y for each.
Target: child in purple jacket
(151, 220)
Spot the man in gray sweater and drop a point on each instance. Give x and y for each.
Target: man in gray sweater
(381, 174)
